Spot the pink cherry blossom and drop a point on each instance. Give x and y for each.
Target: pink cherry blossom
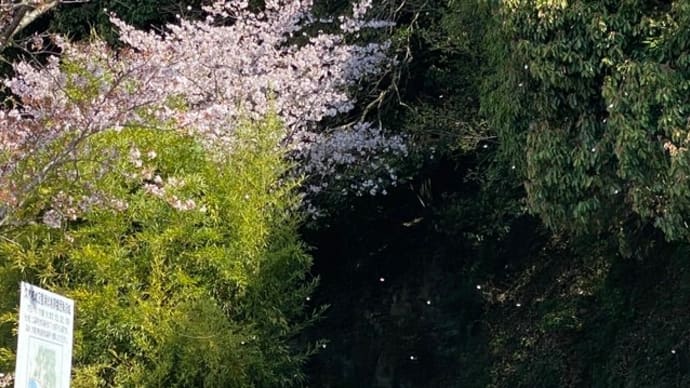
(203, 77)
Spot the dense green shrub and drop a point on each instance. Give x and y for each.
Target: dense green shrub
(589, 99)
(207, 296)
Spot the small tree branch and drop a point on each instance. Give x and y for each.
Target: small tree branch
(17, 15)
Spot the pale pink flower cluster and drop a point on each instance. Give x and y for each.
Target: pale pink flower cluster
(203, 77)
(65, 207)
(358, 21)
(334, 156)
(155, 185)
(161, 189)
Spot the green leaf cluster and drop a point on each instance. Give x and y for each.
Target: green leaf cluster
(589, 99)
(80, 19)
(211, 296)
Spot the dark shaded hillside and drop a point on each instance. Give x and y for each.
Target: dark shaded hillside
(400, 307)
(512, 303)
(548, 312)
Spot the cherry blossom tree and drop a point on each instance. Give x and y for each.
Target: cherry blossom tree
(202, 77)
(15, 15)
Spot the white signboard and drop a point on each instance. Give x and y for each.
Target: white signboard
(44, 347)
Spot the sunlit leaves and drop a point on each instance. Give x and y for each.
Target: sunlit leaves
(201, 296)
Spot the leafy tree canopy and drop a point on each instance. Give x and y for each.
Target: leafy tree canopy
(186, 268)
(589, 99)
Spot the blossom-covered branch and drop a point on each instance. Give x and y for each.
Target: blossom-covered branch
(203, 77)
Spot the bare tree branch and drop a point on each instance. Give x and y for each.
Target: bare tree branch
(15, 15)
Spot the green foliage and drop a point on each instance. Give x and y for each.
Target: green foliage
(596, 319)
(589, 99)
(210, 296)
(79, 19)
(437, 87)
